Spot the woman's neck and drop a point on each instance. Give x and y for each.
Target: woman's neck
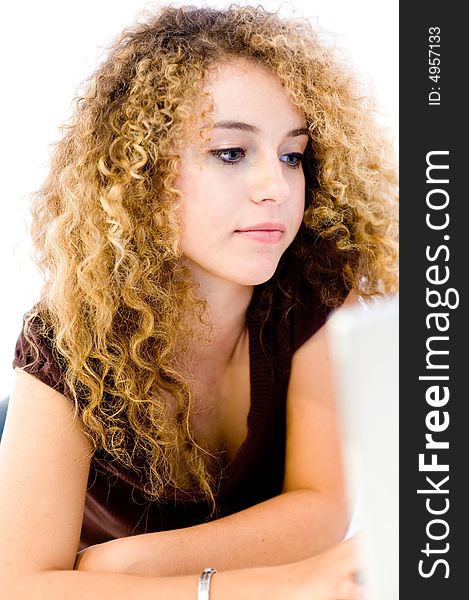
(227, 305)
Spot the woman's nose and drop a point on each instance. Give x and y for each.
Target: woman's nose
(269, 182)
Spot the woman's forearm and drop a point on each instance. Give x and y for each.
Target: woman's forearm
(249, 584)
(284, 529)
(326, 576)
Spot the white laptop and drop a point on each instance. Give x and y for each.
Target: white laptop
(364, 346)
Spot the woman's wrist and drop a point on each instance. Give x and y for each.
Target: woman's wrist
(203, 587)
(250, 584)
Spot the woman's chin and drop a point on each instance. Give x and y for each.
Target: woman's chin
(255, 276)
(244, 273)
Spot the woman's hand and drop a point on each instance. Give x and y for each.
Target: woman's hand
(331, 575)
(84, 560)
(102, 558)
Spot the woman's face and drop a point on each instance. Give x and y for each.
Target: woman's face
(243, 187)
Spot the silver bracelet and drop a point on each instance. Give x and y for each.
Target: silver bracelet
(203, 589)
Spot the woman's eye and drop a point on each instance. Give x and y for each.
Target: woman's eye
(232, 156)
(229, 156)
(293, 160)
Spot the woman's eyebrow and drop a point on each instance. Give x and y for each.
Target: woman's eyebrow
(253, 129)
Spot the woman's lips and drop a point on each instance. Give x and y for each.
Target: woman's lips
(269, 232)
(266, 236)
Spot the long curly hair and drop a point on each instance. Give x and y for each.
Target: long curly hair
(116, 298)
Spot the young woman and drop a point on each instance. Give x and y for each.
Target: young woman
(221, 188)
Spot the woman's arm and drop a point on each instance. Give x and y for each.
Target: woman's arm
(44, 462)
(285, 529)
(309, 516)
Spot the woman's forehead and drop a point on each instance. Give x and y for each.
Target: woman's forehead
(244, 92)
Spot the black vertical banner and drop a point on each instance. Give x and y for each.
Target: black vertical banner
(434, 267)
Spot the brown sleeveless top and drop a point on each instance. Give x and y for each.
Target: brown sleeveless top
(115, 504)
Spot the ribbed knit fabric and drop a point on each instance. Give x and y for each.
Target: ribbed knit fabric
(115, 504)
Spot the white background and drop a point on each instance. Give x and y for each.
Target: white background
(49, 47)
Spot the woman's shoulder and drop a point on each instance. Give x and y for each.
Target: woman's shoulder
(35, 351)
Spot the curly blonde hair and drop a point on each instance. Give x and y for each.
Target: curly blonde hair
(116, 297)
